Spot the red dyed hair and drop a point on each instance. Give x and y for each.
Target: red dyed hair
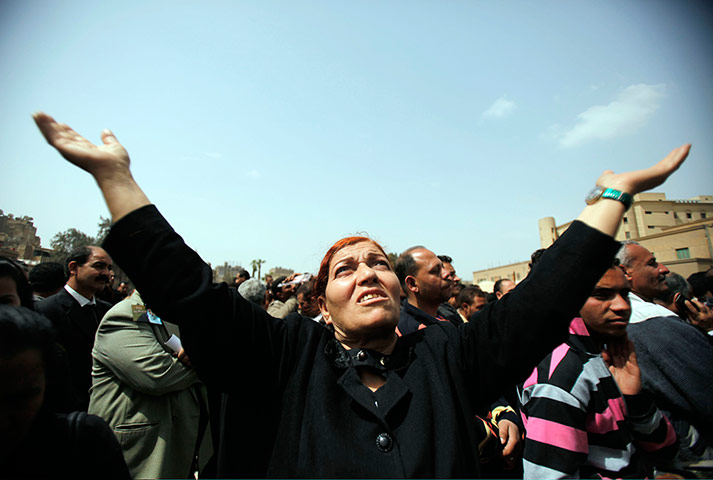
(320, 283)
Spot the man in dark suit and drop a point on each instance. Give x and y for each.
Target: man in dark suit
(75, 313)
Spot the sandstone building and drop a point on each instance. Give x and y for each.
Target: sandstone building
(678, 232)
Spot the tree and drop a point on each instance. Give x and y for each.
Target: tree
(257, 265)
(104, 227)
(65, 242)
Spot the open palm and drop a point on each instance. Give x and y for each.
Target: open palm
(647, 178)
(95, 159)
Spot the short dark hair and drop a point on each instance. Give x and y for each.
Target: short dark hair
(700, 284)
(47, 277)
(498, 285)
(468, 294)
(79, 255)
(676, 284)
(12, 269)
(274, 286)
(305, 288)
(535, 257)
(243, 274)
(445, 258)
(22, 329)
(406, 265)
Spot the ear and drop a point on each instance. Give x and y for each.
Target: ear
(498, 295)
(72, 267)
(411, 285)
(626, 271)
(323, 308)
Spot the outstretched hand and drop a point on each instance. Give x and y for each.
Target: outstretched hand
(641, 180)
(108, 163)
(620, 357)
(606, 216)
(96, 159)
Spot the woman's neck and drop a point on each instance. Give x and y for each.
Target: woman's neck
(383, 344)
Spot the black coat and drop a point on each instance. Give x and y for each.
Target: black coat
(76, 328)
(66, 446)
(325, 422)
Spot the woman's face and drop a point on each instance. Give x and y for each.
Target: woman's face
(362, 294)
(22, 391)
(8, 292)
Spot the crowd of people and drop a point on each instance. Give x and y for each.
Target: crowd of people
(598, 364)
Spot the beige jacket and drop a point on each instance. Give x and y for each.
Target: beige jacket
(148, 397)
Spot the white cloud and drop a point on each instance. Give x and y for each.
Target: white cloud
(501, 108)
(629, 111)
(253, 173)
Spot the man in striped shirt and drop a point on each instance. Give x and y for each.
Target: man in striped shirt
(584, 413)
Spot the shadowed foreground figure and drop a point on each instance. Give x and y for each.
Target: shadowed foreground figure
(353, 399)
(34, 442)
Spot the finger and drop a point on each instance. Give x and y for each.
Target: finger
(508, 449)
(670, 163)
(674, 159)
(606, 357)
(511, 443)
(693, 308)
(46, 124)
(108, 137)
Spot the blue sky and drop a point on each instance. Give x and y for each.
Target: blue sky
(271, 129)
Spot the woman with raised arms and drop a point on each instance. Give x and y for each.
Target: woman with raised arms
(353, 400)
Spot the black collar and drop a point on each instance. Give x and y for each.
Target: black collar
(364, 357)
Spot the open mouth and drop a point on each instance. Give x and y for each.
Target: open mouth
(371, 296)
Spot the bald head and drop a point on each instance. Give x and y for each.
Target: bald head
(424, 279)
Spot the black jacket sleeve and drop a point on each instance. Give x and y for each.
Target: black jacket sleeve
(220, 329)
(508, 338)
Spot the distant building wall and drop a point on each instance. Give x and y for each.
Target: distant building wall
(650, 213)
(514, 272)
(280, 272)
(678, 232)
(18, 235)
(684, 249)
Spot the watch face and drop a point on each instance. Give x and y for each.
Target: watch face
(594, 195)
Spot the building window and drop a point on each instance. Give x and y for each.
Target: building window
(628, 235)
(647, 213)
(626, 220)
(682, 253)
(703, 215)
(651, 227)
(688, 215)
